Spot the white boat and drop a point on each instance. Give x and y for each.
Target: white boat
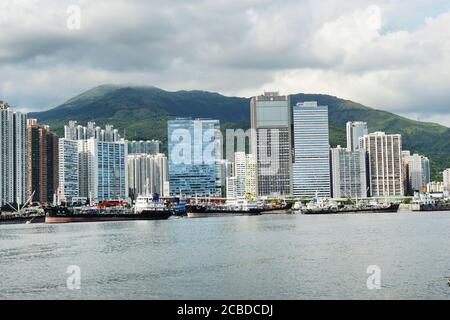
(150, 203)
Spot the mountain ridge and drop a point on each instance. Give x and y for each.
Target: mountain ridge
(142, 113)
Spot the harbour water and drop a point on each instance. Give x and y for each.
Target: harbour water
(261, 257)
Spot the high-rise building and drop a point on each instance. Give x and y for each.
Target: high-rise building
(446, 175)
(225, 171)
(349, 176)
(244, 180)
(68, 170)
(102, 161)
(42, 162)
(271, 143)
(13, 155)
(73, 131)
(385, 164)
(356, 130)
(103, 172)
(312, 151)
(418, 168)
(194, 151)
(152, 147)
(147, 174)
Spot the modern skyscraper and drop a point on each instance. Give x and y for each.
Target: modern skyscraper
(349, 174)
(102, 161)
(385, 164)
(355, 132)
(194, 151)
(68, 170)
(103, 173)
(271, 143)
(418, 172)
(312, 151)
(13, 155)
(42, 162)
(147, 174)
(152, 147)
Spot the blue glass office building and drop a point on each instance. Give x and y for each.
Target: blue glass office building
(194, 147)
(311, 168)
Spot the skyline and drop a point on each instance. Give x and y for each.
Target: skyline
(44, 63)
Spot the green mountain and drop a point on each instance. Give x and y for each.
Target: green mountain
(142, 113)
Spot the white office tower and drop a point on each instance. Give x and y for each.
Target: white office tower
(418, 168)
(385, 164)
(147, 174)
(13, 155)
(349, 176)
(355, 132)
(68, 170)
(244, 180)
(311, 173)
(446, 175)
(271, 143)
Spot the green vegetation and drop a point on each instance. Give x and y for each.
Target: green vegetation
(142, 113)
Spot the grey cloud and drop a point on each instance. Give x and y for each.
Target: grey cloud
(233, 47)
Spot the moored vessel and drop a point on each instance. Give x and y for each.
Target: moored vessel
(145, 209)
(232, 207)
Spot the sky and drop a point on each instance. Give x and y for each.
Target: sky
(390, 55)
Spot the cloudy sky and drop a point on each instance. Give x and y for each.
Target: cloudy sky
(392, 55)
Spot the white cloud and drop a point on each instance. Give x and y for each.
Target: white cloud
(387, 54)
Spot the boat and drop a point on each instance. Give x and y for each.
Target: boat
(232, 207)
(368, 208)
(22, 219)
(146, 209)
(24, 216)
(276, 208)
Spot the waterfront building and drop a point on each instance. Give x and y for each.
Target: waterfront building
(349, 176)
(103, 172)
(102, 161)
(194, 151)
(356, 130)
(312, 150)
(244, 180)
(152, 147)
(446, 175)
(385, 164)
(147, 174)
(13, 155)
(271, 143)
(418, 168)
(225, 170)
(68, 170)
(435, 187)
(405, 167)
(42, 162)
